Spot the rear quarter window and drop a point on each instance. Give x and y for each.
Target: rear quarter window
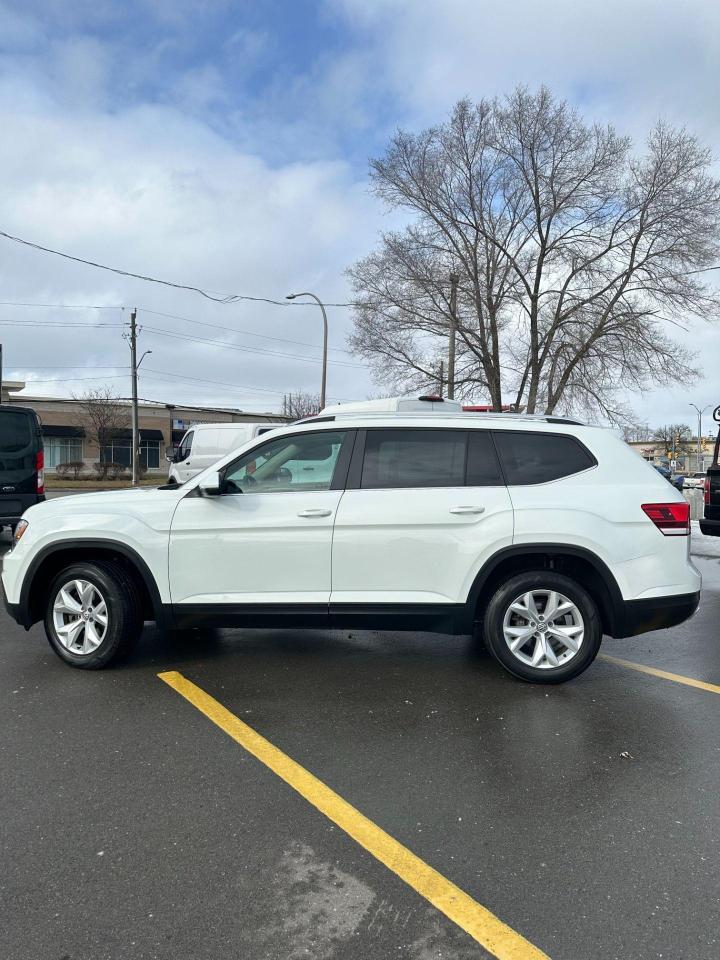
(17, 431)
(538, 457)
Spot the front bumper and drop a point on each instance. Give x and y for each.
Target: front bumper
(711, 528)
(657, 613)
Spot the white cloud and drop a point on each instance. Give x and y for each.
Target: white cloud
(262, 190)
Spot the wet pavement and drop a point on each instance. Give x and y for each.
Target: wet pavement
(585, 816)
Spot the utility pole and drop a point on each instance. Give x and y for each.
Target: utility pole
(133, 367)
(454, 281)
(441, 377)
(699, 433)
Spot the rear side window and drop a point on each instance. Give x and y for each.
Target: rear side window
(540, 457)
(483, 468)
(414, 458)
(16, 432)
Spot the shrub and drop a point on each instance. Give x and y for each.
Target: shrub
(74, 467)
(109, 471)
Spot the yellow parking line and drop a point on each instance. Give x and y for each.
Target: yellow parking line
(663, 674)
(482, 925)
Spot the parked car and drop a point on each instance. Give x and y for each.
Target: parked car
(22, 483)
(710, 525)
(205, 443)
(541, 532)
(695, 481)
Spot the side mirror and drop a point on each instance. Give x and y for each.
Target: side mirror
(210, 485)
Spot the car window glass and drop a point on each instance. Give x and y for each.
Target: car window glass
(414, 458)
(186, 446)
(16, 432)
(296, 463)
(539, 457)
(483, 467)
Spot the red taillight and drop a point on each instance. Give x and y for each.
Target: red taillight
(670, 518)
(40, 470)
(706, 488)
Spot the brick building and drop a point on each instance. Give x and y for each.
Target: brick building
(161, 425)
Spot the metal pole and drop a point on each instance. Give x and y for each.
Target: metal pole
(133, 366)
(699, 436)
(454, 280)
(442, 378)
(323, 382)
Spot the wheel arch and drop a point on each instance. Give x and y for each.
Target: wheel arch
(576, 562)
(51, 559)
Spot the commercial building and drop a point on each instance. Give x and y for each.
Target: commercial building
(67, 429)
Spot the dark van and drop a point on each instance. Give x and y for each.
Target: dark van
(22, 482)
(710, 525)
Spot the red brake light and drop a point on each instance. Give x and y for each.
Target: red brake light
(672, 519)
(706, 488)
(40, 470)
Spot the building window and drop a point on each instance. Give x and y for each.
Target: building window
(62, 450)
(120, 451)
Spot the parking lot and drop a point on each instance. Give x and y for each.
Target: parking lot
(581, 821)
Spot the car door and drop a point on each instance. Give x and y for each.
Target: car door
(424, 509)
(267, 538)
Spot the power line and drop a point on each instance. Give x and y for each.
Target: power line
(224, 383)
(64, 306)
(209, 295)
(258, 350)
(156, 313)
(248, 333)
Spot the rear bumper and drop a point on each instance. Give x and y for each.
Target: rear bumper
(659, 613)
(711, 528)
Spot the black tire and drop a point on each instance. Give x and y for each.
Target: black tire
(123, 607)
(541, 580)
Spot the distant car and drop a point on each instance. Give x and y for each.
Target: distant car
(205, 443)
(710, 524)
(695, 481)
(21, 463)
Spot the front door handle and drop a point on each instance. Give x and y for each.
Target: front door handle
(315, 513)
(467, 510)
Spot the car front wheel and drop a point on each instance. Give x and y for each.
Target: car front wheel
(93, 614)
(543, 627)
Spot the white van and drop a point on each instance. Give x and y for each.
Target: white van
(205, 443)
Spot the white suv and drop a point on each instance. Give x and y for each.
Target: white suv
(542, 533)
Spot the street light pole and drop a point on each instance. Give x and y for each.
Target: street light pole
(699, 435)
(323, 386)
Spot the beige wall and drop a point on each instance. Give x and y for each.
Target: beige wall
(151, 417)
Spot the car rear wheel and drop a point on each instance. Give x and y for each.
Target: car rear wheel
(93, 614)
(543, 627)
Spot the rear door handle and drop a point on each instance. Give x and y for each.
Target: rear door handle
(315, 513)
(467, 510)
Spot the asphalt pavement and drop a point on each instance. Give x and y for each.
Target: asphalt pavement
(584, 816)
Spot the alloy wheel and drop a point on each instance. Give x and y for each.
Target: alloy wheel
(80, 616)
(543, 629)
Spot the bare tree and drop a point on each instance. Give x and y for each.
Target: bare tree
(675, 438)
(299, 405)
(103, 415)
(574, 256)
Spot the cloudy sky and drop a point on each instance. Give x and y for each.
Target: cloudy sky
(224, 144)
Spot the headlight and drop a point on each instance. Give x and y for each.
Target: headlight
(20, 530)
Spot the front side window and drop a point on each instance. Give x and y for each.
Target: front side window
(539, 457)
(185, 446)
(296, 463)
(414, 458)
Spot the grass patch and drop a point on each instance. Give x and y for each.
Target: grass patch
(58, 483)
